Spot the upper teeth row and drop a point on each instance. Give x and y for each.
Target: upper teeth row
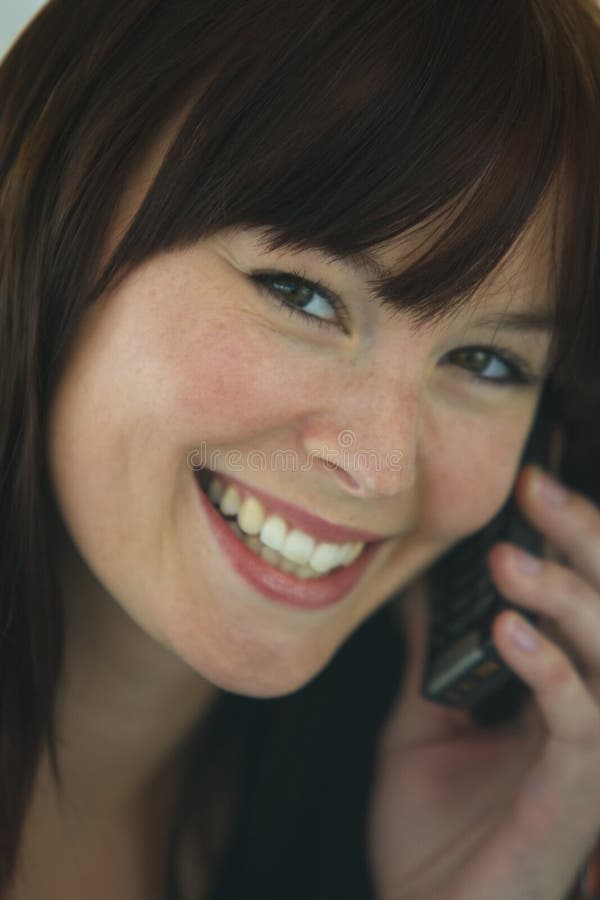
(295, 545)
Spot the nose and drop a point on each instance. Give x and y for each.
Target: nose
(367, 436)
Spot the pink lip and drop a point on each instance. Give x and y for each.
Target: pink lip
(305, 521)
(314, 593)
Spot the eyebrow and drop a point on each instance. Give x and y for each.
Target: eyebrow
(518, 321)
(367, 263)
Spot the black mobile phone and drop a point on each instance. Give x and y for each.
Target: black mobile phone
(462, 667)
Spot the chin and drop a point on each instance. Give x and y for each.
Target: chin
(260, 671)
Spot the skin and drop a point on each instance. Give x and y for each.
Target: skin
(189, 351)
(137, 521)
(527, 831)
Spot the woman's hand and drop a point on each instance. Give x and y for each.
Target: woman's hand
(460, 812)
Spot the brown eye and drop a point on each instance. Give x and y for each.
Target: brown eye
(309, 299)
(496, 366)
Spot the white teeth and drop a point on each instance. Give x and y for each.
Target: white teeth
(327, 556)
(276, 559)
(273, 532)
(251, 516)
(353, 551)
(215, 490)
(230, 501)
(268, 536)
(298, 547)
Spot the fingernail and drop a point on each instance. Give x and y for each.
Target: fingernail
(549, 490)
(530, 565)
(523, 636)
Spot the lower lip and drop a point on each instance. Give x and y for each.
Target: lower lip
(310, 593)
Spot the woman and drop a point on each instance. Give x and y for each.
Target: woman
(187, 191)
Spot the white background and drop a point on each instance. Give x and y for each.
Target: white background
(14, 15)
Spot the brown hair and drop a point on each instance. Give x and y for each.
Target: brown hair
(336, 125)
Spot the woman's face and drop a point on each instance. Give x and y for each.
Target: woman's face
(193, 362)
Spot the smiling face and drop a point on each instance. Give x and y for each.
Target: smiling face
(194, 361)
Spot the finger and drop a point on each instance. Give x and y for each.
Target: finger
(569, 520)
(568, 710)
(555, 592)
(563, 784)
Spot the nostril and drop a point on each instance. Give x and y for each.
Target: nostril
(344, 476)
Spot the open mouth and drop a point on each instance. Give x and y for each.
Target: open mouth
(269, 536)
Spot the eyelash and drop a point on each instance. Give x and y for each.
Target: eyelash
(266, 281)
(521, 375)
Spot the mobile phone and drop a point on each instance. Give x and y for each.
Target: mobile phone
(462, 666)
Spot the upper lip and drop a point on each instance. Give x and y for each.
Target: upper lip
(301, 519)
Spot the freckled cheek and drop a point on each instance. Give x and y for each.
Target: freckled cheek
(228, 386)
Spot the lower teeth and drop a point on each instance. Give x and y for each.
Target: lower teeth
(274, 558)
